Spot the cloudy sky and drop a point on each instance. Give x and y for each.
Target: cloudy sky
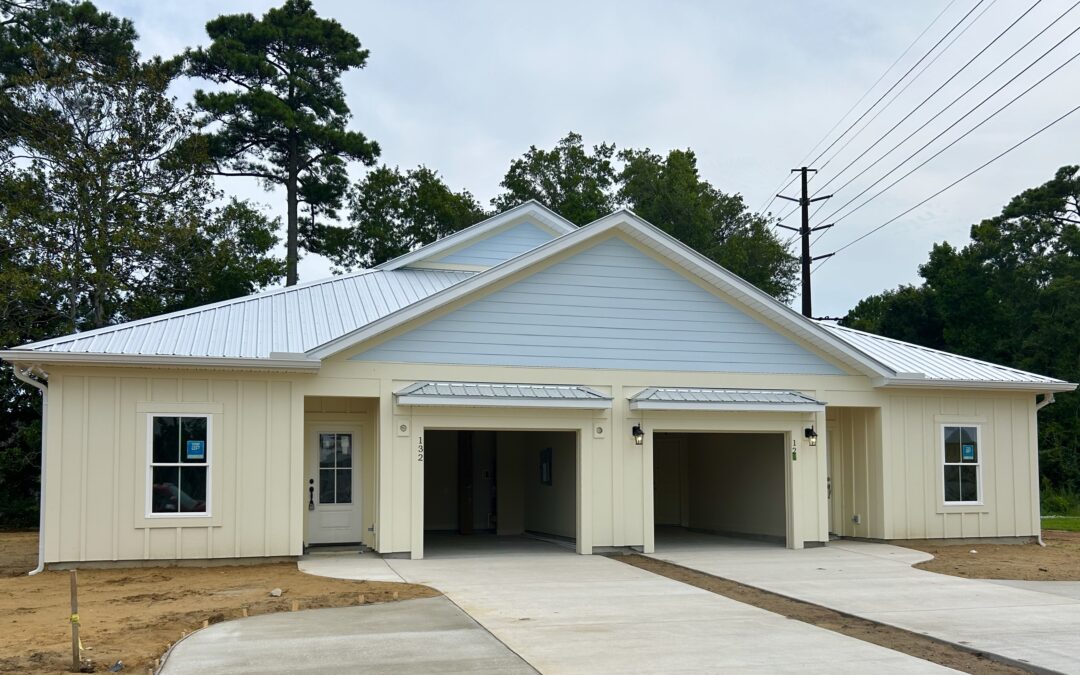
(464, 87)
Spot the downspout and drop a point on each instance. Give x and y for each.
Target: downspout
(24, 374)
(1047, 400)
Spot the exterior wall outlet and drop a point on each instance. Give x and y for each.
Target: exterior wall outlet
(856, 519)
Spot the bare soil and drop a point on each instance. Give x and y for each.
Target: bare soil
(134, 614)
(1059, 560)
(913, 644)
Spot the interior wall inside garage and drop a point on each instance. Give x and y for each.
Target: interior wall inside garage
(728, 483)
(508, 490)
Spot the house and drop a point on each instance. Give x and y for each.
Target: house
(600, 384)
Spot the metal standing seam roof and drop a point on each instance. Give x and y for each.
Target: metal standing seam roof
(287, 320)
(931, 364)
(673, 398)
(502, 394)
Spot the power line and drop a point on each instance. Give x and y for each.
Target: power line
(932, 95)
(909, 83)
(783, 185)
(949, 106)
(902, 77)
(962, 136)
(947, 187)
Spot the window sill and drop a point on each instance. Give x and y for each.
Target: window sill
(968, 507)
(150, 522)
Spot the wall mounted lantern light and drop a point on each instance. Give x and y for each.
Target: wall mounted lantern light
(639, 434)
(811, 436)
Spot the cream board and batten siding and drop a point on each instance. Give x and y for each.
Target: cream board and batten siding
(887, 466)
(97, 464)
(913, 499)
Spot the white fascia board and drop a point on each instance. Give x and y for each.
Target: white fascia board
(984, 385)
(92, 359)
(491, 402)
(533, 208)
(731, 407)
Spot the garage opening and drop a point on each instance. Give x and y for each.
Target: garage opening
(729, 484)
(485, 488)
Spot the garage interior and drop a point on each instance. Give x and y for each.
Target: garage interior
(729, 484)
(505, 483)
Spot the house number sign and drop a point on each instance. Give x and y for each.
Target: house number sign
(420, 449)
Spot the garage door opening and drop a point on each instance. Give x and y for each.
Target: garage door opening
(729, 484)
(486, 488)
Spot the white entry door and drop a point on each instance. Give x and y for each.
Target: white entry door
(333, 486)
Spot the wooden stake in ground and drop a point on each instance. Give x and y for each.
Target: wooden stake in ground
(76, 661)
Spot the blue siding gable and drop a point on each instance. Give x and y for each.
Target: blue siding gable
(609, 306)
(500, 247)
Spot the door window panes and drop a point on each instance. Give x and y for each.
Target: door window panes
(335, 468)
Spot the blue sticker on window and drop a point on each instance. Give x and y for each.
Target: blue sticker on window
(196, 450)
(967, 452)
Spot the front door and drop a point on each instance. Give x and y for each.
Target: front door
(333, 487)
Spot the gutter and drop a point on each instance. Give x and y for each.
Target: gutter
(24, 374)
(1046, 400)
(284, 362)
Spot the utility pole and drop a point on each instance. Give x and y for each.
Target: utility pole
(804, 231)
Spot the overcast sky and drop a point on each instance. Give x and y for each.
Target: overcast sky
(464, 87)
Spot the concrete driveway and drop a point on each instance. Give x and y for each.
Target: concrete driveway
(566, 613)
(413, 636)
(877, 582)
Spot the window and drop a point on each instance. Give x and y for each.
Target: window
(179, 465)
(335, 468)
(962, 470)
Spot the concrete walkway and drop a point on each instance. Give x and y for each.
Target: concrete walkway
(413, 636)
(876, 581)
(567, 613)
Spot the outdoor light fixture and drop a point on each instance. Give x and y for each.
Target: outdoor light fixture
(811, 436)
(639, 434)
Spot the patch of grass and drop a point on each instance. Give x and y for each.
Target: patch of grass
(1066, 523)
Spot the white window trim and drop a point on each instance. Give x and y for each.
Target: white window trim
(149, 494)
(978, 465)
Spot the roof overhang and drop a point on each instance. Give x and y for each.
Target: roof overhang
(278, 362)
(502, 395)
(982, 385)
(733, 400)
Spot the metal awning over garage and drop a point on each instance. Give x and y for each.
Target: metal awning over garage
(744, 400)
(503, 395)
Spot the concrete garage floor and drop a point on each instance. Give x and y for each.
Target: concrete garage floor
(430, 635)
(567, 613)
(877, 582)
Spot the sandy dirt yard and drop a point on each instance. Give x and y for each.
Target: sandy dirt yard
(134, 614)
(1059, 560)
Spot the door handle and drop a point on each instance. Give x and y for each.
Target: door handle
(311, 494)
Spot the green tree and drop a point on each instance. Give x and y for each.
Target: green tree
(392, 213)
(670, 193)
(568, 179)
(1010, 296)
(283, 116)
(105, 208)
(215, 254)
